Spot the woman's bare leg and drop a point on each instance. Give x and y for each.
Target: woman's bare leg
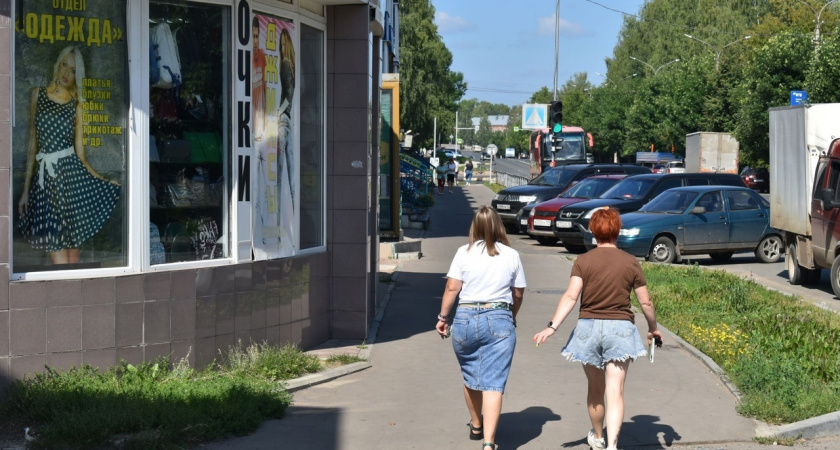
(492, 411)
(595, 398)
(474, 404)
(616, 374)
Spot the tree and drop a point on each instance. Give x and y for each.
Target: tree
(428, 88)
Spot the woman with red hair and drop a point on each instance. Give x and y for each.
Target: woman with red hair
(605, 338)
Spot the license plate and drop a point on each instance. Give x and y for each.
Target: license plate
(564, 224)
(523, 222)
(758, 180)
(542, 222)
(503, 206)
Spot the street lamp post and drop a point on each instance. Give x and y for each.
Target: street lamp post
(714, 49)
(819, 21)
(613, 82)
(656, 70)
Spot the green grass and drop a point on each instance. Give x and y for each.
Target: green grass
(782, 353)
(494, 186)
(157, 404)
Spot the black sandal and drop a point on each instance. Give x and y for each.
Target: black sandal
(491, 445)
(476, 433)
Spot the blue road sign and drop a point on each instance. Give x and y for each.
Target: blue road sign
(798, 98)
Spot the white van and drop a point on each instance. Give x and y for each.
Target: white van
(510, 152)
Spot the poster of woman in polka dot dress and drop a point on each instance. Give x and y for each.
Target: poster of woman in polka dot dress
(64, 201)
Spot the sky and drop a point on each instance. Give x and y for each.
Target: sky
(505, 49)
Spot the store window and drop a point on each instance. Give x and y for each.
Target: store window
(189, 175)
(312, 198)
(69, 136)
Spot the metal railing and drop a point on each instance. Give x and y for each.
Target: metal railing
(508, 180)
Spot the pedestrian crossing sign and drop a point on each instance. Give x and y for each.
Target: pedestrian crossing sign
(534, 116)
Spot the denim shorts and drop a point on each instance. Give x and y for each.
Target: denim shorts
(598, 341)
(484, 340)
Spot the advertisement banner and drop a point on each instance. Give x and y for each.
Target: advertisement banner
(273, 99)
(69, 135)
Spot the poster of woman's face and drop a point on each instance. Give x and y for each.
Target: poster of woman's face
(69, 135)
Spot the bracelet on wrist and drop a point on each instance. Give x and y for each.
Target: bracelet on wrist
(443, 318)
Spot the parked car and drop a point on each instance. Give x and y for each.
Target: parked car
(757, 178)
(675, 167)
(450, 153)
(628, 195)
(713, 220)
(509, 202)
(540, 220)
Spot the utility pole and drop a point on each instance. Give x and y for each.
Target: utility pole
(556, 49)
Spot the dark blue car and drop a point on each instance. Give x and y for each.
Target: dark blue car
(713, 220)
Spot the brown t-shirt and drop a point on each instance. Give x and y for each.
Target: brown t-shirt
(608, 275)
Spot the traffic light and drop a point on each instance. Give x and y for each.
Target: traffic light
(556, 113)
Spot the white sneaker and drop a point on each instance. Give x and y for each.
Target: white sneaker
(595, 444)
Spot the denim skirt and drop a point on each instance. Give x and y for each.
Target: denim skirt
(484, 340)
(598, 341)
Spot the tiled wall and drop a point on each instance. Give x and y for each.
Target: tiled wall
(189, 313)
(349, 168)
(5, 164)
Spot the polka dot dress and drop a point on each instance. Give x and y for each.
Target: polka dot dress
(73, 205)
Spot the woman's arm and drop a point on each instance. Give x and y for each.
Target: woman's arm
(31, 151)
(453, 287)
(649, 311)
(518, 295)
(566, 305)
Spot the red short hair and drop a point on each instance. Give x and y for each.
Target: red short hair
(605, 225)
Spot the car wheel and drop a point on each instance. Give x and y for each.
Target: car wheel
(576, 249)
(721, 257)
(544, 240)
(769, 250)
(663, 251)
(796, 273)
(835, 276)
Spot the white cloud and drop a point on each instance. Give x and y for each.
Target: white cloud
(545, 27)
(452, 24)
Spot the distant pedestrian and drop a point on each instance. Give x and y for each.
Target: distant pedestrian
(468, 172)
(440, 170)
(451, 173)
(488, 274)
(605, 339)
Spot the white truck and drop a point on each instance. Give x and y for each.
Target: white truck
(711, 152)
(805, 176)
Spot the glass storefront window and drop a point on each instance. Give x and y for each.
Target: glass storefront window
(188, 123)
(69, 136)
(312, 198)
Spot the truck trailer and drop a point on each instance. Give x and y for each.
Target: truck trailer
(711, 152)
(805, 199)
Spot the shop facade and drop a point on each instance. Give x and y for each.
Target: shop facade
(185, 175)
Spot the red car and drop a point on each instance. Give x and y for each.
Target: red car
(540, 220)
(756, 178)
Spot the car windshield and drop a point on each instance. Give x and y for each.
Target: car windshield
(670, 202)
(630, 189)
(553, 177)
(590, 188)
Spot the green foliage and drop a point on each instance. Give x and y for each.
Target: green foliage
(425, 200)
(344, 359)
(151, 405)
(782, 353)
(269, 362)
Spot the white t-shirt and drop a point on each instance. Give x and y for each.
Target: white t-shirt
(451, 168)
(487, 278)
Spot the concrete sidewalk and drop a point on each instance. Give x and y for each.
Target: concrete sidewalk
(410, 395)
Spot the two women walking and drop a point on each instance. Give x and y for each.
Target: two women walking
(488, 275)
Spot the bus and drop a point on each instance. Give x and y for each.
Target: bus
(573, 145)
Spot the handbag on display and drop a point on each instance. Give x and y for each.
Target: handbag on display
(175, 151)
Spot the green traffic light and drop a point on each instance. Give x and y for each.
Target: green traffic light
(557, 128)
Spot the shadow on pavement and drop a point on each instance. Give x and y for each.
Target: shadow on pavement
(517, 429)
